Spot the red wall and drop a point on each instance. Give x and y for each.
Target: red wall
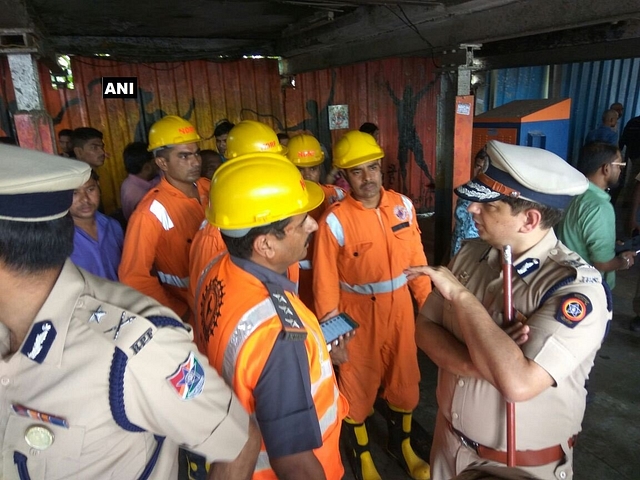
(399, 95)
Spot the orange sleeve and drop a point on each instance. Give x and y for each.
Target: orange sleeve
(207, 244)
(138, 255)
(326, 280)
(420, 286)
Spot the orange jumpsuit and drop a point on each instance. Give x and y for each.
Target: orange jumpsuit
(207, 244)
(359, 258)
(332, 194)
(238, 333)
(155, 256)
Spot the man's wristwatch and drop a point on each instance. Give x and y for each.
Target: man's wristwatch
(627, 262)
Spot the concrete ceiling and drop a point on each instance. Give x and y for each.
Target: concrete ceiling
(316, 34)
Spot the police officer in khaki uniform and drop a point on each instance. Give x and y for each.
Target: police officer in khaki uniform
(558, 297)
(97, 381)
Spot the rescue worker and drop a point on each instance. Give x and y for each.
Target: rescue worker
(363, 245)
(306, 154)
(246, 138)
(249, 137)
(255, 329)
(559, 297)
(98, 381)
(155, 257)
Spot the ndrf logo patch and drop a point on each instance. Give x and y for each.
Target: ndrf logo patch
(119, 87)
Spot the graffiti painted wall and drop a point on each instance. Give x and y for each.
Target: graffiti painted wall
(398, 95)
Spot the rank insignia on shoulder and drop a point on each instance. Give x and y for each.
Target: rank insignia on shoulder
(97, 315)
(292, 326)
(188, 380)
(124, 320)
(39, 341)
(574, 307)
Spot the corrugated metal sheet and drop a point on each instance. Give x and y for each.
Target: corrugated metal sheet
(397, 94)
(517, 84)
(199, 91)
(593, 87)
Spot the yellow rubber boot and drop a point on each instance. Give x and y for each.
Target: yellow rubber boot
(358, 443)
(399, 446)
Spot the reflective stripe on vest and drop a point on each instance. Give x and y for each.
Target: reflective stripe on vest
(331, 415)
(248, 323)
(174, 280)
(259, 314)
(378, 287)
(161, 214)
(251, 320)
(336, 228)
(304, 264)
(263, 462)
(339, 193)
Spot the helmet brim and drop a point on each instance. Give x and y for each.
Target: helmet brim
(359, 161)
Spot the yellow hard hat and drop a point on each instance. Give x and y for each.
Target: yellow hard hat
(172, 130)
(356, 148)
(305, 151)
(249, 137)
(258, 190)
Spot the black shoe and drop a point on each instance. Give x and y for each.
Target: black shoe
(634, 326)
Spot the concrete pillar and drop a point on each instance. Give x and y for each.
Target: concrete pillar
(33, 124)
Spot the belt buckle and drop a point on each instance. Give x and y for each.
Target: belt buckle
(467, 442)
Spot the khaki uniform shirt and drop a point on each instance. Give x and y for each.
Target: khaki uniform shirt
(97, 360)
(567, 327)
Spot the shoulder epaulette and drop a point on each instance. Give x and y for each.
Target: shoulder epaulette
(292, 326)
(128, 331)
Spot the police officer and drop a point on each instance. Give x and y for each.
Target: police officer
(559, 297)
(255, 329)
(97, 380)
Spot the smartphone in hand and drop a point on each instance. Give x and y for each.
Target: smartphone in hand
(336, 326)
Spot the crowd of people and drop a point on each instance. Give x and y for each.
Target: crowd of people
(196, 334)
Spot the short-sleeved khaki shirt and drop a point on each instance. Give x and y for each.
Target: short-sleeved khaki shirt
(566, 308)
(104, 373)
